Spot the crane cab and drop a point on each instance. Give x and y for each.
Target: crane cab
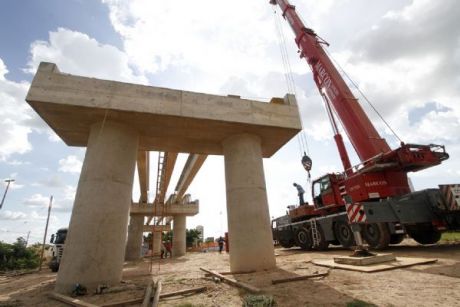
(327, 190)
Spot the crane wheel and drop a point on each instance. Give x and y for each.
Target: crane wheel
(429, 236)
(322, 244)
(303, 238)
(376, 235)
(343, 234)
(397, 238)
(286, 243)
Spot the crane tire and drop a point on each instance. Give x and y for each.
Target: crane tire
(343, 234)
(303, 238)
(377, 235)
(426, 237)
(397, 238)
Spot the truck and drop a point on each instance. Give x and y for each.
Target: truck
(374, 196)
(57, 249)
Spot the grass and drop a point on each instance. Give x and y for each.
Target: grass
(359, 303)
(450, 236)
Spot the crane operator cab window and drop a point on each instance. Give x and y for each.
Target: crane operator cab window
(320, 187)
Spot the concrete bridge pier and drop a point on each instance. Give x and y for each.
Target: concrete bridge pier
(135, 238)
(95, 245)
(179, 242)
(156, 244)
(250, 236)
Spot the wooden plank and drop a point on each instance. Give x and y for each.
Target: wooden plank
(297, 278)
(148, 294)
(183, 292)
(233, 282)
(401, 262)
(70, 300)
(162, 296)
(231, 273)
(156, 295)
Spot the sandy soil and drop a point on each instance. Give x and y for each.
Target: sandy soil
(424, 285)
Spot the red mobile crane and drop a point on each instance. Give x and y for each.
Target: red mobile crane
(377, 190)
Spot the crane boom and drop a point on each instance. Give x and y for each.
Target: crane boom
(362, 134)
(373, 150)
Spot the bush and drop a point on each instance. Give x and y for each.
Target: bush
(17, 256)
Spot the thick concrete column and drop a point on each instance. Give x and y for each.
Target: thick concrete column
(250, 236)
(95, 245)
(178, 248)
(135, 238)
(156, 248)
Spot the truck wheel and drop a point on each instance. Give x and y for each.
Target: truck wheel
(397, 238)
(343, 234)
(303, 239)
(286, 243)
(322, 244)
(54, 266)
(426, 237)
(376, 235)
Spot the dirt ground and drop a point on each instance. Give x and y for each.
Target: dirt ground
(423, 285)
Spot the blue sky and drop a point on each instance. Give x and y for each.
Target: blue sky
(404, 54)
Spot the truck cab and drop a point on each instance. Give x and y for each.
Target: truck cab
(327, 191)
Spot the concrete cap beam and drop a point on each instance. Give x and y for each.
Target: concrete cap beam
(166, 119)
(190, 209)
(156, 228)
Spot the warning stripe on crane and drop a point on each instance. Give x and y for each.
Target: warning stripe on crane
(342, 190)
(451, 193)
(355, 213)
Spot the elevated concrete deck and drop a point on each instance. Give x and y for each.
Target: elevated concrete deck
(190, 209)
(166, 119)
(156, 228)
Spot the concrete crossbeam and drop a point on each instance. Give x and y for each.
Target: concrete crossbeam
(170, 159)
(190, 209)
(191, 168)
(143, 169)
(156, 228)
(167, 120)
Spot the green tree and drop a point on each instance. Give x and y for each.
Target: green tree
(17, 256)
(191, 236)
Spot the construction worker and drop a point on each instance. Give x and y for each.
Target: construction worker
(220, 241)
(300, 192)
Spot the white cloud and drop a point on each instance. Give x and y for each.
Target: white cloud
(164, 35)
(36, 201)
(70, 164)
(77, 53)
(12, 215)
(14, 116)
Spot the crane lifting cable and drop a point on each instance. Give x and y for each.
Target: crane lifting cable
(290, 83)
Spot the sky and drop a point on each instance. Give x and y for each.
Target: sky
(403, 54)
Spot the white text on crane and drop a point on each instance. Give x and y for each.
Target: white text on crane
(326, 81)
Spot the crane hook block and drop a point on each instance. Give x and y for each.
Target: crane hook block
(307, 162)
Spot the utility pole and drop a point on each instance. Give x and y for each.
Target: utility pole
(27, 240)
(8, 181)
(46, 232)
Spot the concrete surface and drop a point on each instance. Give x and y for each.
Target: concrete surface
(135, 238)
(95, 245)
(167, 120)
(250, 235)
(156, 228)
(189, 209)
(178, 243)
(157, 238)
(401, 262)
(378, 258)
